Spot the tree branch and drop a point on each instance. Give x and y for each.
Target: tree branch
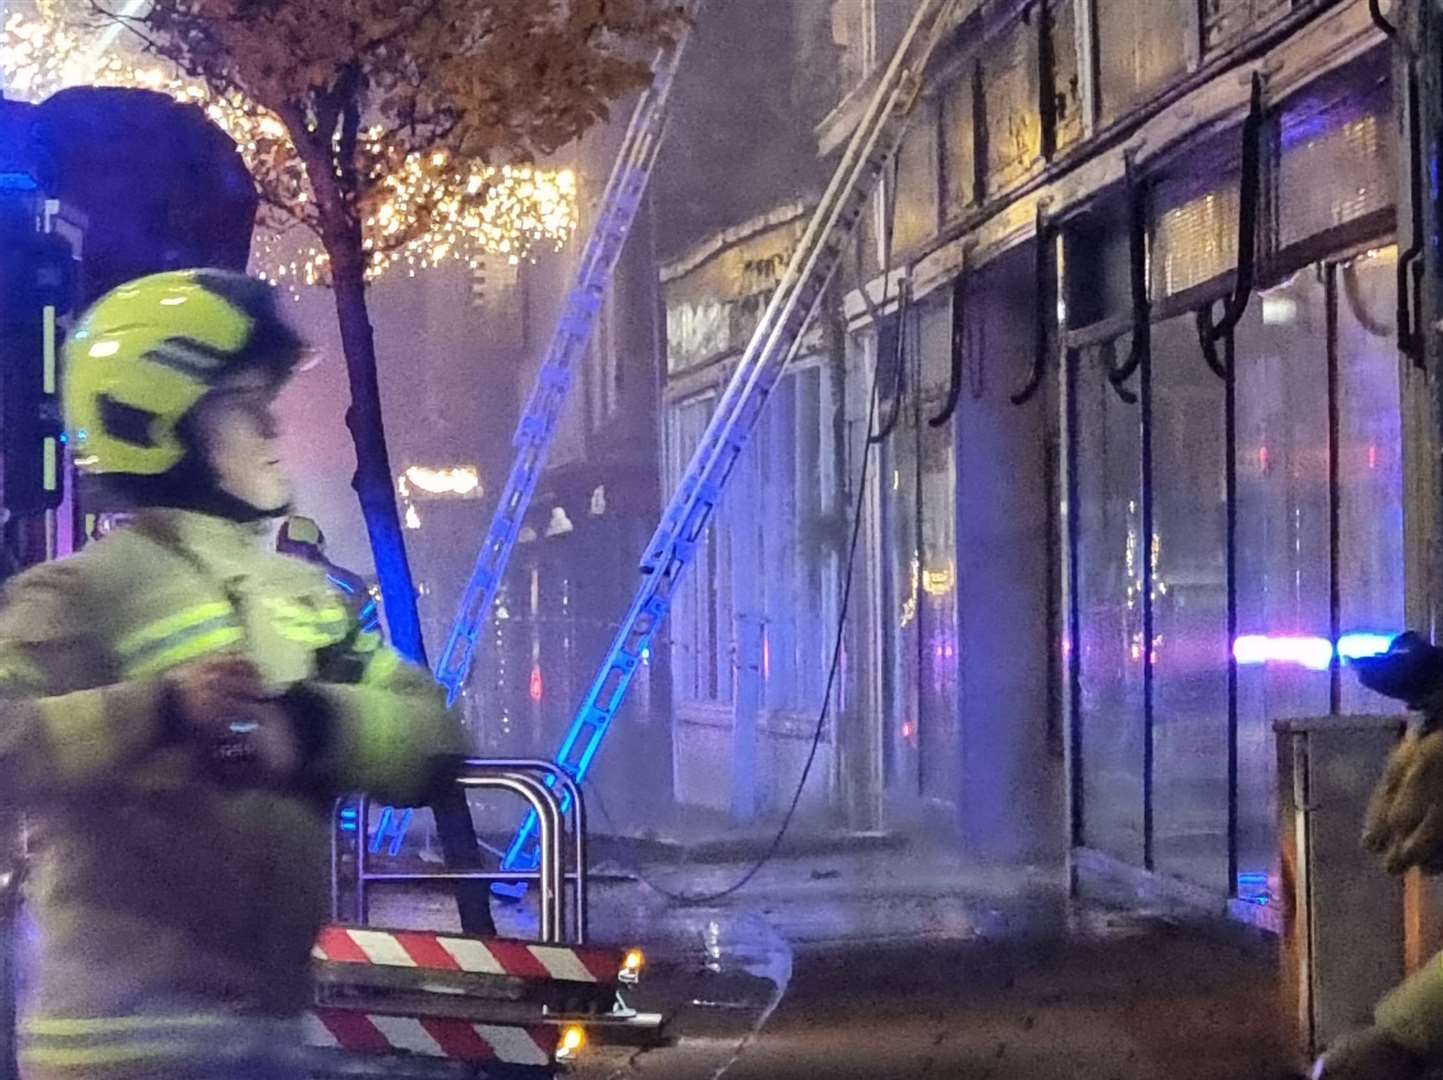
(335, 216)
(130, 23)
(420, 134)
(348, 93)
(301, 215)
(402, 27)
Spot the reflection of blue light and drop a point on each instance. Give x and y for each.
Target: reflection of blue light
(1253, 888)
(341, 583)
(1307, 650)
(370, 617)
(398, 824)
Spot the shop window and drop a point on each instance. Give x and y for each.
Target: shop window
(1066, 77)
(1195, 219)
(1341, 128)
(1283, 539)
(1142, 48)
(1190, 610)
(959, 151)
(916, 216)
(800, 536)
(899, 566)
(1097, 252)
(1225, 21)
(1009, 124)
(939, 687)
(852, 30)
(934, 344)
(1107, 504)
(1314, 353)
(1370, 467)
(701, 608)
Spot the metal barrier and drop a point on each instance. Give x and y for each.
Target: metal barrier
(537, 783)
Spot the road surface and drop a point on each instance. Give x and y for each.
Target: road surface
(849, 969)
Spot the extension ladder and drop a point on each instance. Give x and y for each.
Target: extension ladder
(777, 337)
(537, 428)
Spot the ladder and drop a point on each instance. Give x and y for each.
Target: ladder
(777, 337)
(537, 428)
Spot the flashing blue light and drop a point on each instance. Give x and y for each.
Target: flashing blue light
(1353, 646)
(18, 181)
(348, 819)
(1307, 650)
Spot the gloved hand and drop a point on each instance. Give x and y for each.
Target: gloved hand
(1404, 821)
(1368, 1055)
(246, 735)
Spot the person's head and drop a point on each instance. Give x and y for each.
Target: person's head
(170, 387)
(301, 538)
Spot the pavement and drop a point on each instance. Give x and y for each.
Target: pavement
(899, 962)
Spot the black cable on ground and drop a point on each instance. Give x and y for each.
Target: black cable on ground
(868, 447)
(869, 443)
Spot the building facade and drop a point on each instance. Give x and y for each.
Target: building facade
(1108, 540)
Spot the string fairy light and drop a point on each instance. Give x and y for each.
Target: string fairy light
(424, 211)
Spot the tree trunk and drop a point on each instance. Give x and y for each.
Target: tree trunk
(374, 486)
(373, 482)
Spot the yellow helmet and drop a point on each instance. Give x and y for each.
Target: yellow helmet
(144, 355)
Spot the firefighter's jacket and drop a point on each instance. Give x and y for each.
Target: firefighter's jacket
(1413, 1013)
(167, 899)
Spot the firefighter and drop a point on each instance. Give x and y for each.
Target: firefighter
(181, 705)
(1404, 826)
(301, 538)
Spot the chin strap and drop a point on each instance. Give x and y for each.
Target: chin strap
(191, 485)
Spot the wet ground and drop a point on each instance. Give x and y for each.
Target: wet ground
(912, 964)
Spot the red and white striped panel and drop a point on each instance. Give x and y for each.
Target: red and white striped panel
(440, 952)
(458, 1040)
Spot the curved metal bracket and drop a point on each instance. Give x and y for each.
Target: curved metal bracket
(1207, 338)
(1410, 265)
(1114, 374)
(904, 303)
(1126, 396)
(959, 329)
(1237, 303)
(1041, 336)
(1137, 271)
(1353, 293)
(1375, 11)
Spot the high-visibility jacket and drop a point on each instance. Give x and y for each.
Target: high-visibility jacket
(1412, 1014)
(176, 910)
